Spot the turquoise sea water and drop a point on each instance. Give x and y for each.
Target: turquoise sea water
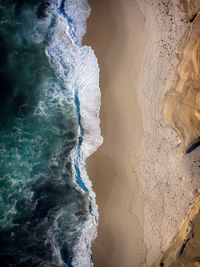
(41, 208)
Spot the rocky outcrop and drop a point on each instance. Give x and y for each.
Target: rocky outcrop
(182, 103)
(191, 7)
(185, 248)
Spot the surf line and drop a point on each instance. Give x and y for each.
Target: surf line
(71, 29)
(72, 35)
(70, 23)
(80, 141)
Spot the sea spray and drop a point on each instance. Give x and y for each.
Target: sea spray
(49, 125)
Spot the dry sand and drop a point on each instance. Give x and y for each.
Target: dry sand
(144, 185)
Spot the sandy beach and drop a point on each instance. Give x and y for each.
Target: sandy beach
(140, 177)
(113, 174)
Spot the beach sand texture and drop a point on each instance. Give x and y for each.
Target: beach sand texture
(144, 184)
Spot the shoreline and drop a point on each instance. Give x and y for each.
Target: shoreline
(82, 81)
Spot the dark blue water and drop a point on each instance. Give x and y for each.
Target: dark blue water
(41, 211)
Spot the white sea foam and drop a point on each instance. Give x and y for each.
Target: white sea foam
(77, 67)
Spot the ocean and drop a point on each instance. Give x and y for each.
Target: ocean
(49, 125)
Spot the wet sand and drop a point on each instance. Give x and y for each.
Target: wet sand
(115, 182)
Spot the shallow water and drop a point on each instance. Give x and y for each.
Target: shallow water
(42, 210)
